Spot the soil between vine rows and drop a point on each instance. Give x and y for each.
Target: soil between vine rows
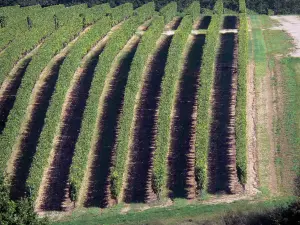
(99, 187)
(9, 95)
(33, 130)
(60, 168)
(142, 152)
(222, 153)
(182, 152)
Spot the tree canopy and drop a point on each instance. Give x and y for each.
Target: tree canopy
(260, 6)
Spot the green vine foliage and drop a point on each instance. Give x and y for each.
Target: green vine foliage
(173, 68)
(169, 11)
(52, 120)
(241, 120)
(88, 131)
(51, 46)
(193, 10)
(204, 105)
(146, 48)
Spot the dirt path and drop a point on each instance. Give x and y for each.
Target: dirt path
(291, 24)
(252, 168)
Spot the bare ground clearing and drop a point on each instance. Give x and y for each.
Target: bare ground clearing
(290, 24)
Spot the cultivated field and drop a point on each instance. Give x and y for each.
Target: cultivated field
(101, 105)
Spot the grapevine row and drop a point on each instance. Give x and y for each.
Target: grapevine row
(88, 133)
(241, 123)
(204, 95)
(173, 68)
(49, 49)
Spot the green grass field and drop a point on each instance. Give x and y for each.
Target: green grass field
(181, 212)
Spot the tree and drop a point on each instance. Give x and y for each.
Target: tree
(183, 4)
(16, 212)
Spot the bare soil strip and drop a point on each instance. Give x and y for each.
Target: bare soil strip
(11, 85)
(56, 192)
(291, 24)
(139, 188)
(182, 154)
(26, 143)
(252, 156)
(99, 188)
(222, 154)
(230, 22)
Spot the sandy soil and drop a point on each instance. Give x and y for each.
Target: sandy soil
(252, 181)
(252, 157)
(291, 24)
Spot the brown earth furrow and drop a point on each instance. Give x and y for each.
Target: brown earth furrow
(182, 181)
(230, 22)
(110, 105)
(203, 23)
(26, 143)
(54, 194)
(11, 84)
(139, 179)
(139, 186)
(222, 155)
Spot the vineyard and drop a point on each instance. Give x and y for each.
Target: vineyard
(102, 105)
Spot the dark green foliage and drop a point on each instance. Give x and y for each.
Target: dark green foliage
(29, 23)
(56, 24)
(121, 12)
(260, 6)
(83, 19)
(146, 11)
(16, 212)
